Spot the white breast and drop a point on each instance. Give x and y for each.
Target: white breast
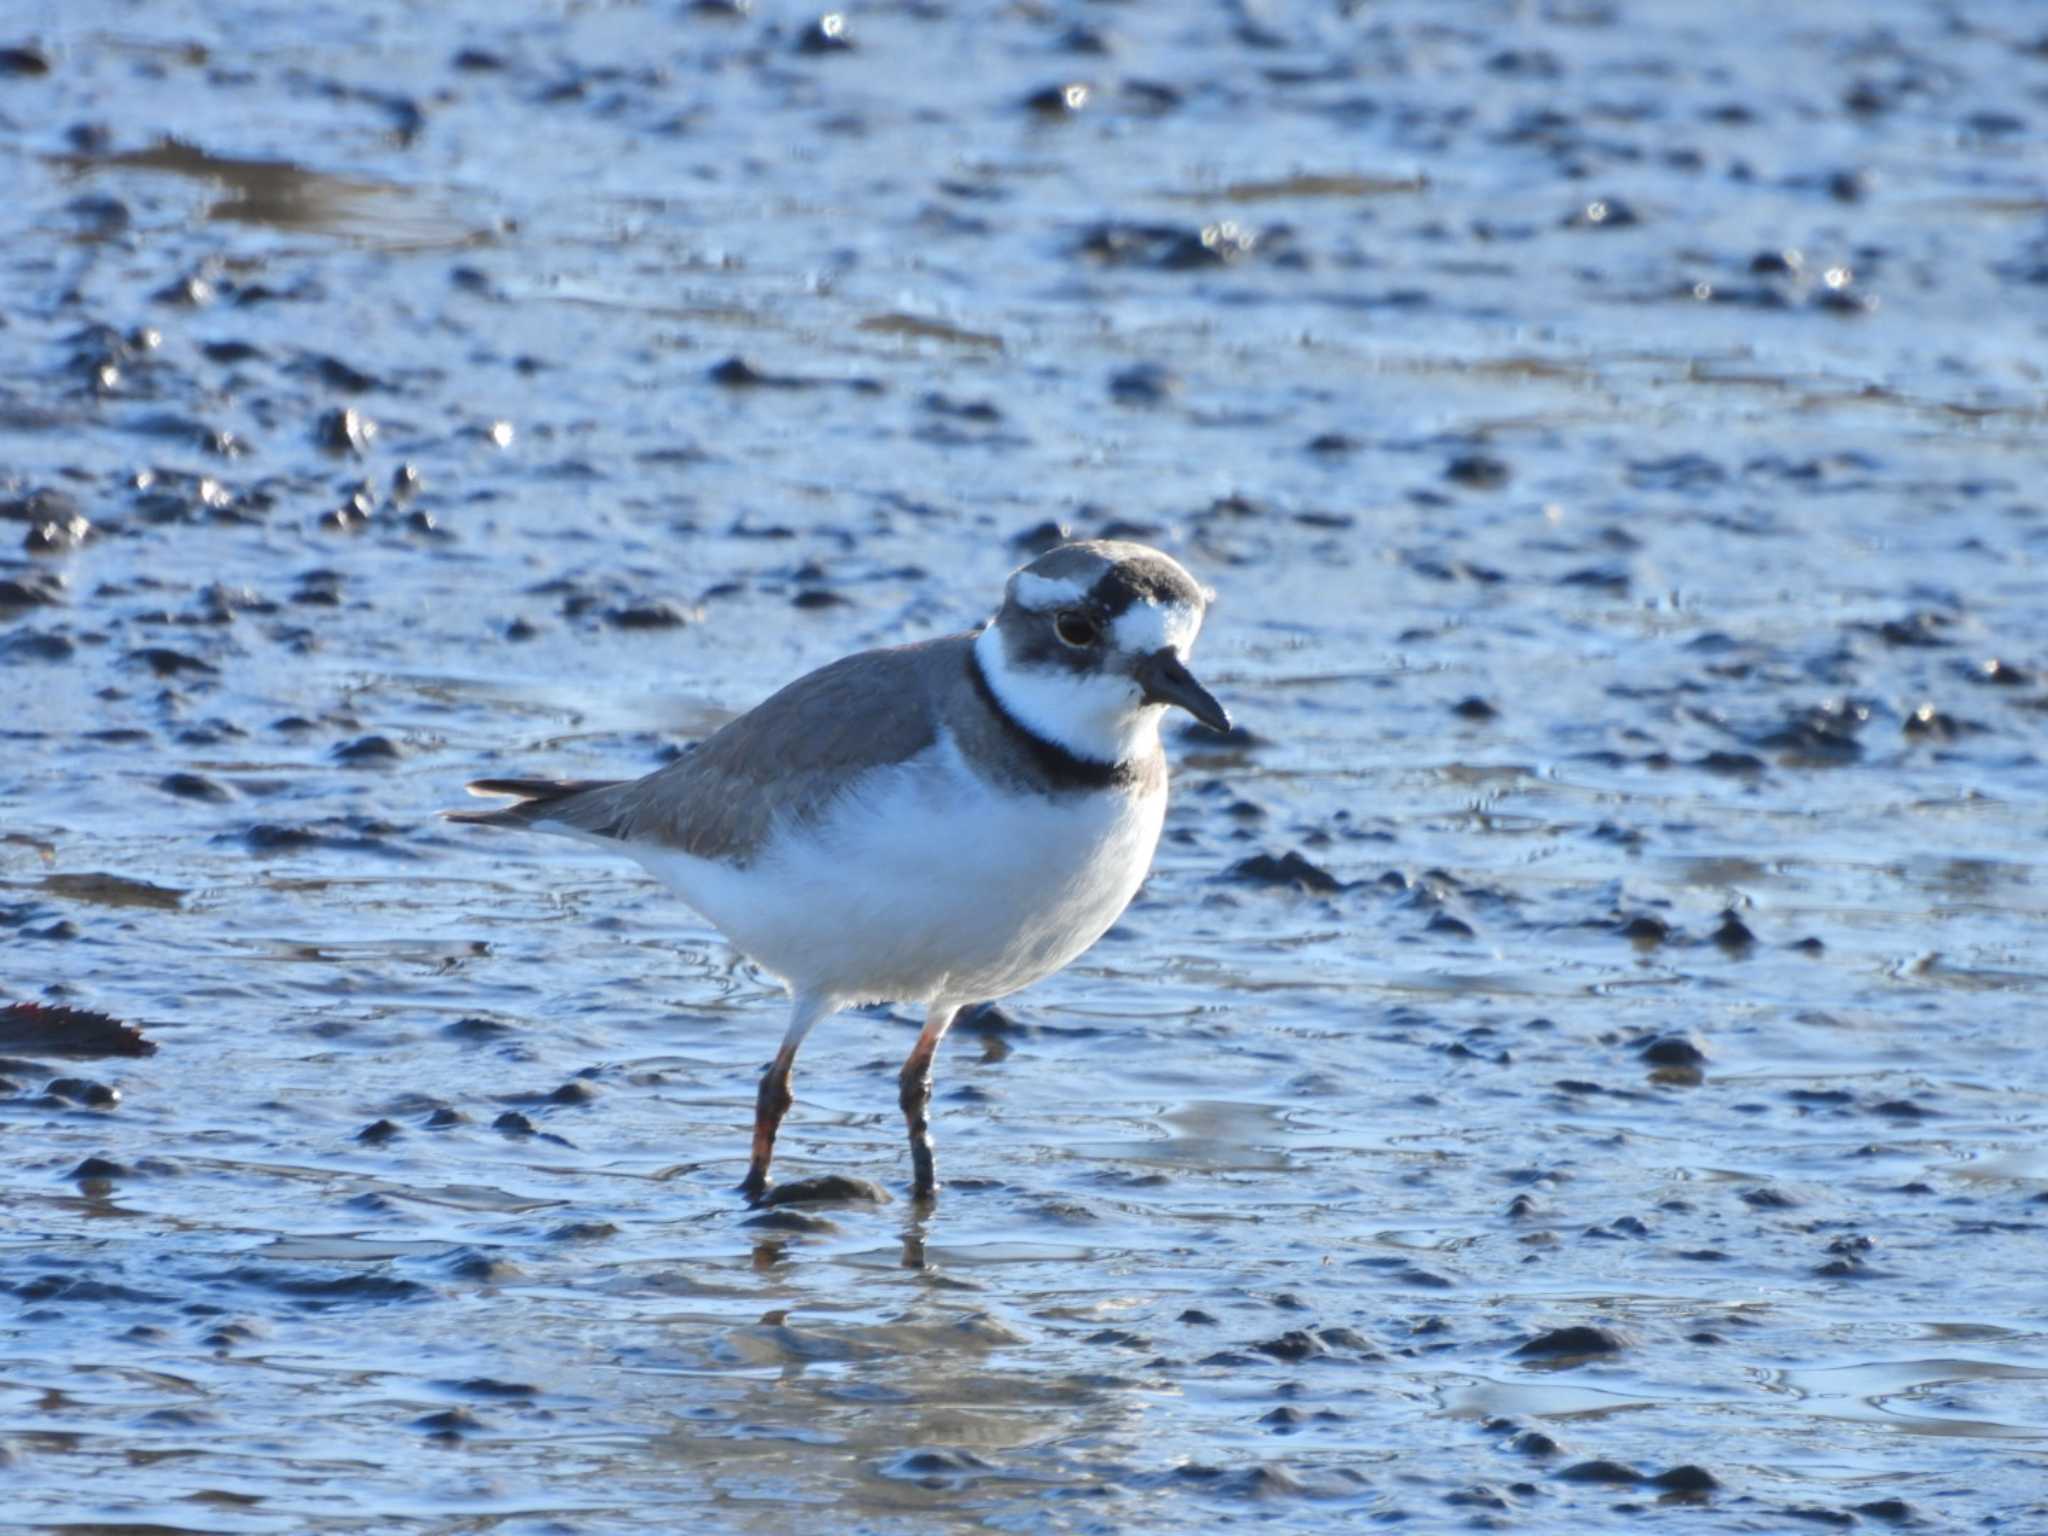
(926, 884)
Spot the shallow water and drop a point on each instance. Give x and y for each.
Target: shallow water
(1641, 628)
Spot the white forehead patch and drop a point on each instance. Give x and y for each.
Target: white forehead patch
(1041, 594)
(1144, 628)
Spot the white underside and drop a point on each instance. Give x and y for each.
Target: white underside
(925, 885)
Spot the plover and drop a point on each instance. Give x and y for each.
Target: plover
(939, 823)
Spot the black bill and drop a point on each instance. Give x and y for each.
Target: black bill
(1166, 680)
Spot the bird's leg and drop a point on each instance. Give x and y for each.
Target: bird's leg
(770, 1105)
(916, 1097)
(774, 1099)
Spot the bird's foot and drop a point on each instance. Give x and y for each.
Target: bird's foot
(924, 1170)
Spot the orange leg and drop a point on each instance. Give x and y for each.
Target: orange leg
(915, 1095)
(775, 1098)
(769, 1107)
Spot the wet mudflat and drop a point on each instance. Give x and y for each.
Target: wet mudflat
(1578, 1058)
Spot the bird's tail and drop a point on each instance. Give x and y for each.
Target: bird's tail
(536, 800)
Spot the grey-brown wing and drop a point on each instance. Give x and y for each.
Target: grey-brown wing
(535, 797)
(783, 761)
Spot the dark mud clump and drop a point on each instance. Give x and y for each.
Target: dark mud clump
(43, 1029)
(825, 1189)
(1291, 870)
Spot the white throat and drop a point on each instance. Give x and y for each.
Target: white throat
(1101, 718)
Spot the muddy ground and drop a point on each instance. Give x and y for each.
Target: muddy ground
(1578, 1059)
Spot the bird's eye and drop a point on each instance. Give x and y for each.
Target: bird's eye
(1075, 628)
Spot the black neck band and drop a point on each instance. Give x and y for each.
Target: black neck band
(1064, 769)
